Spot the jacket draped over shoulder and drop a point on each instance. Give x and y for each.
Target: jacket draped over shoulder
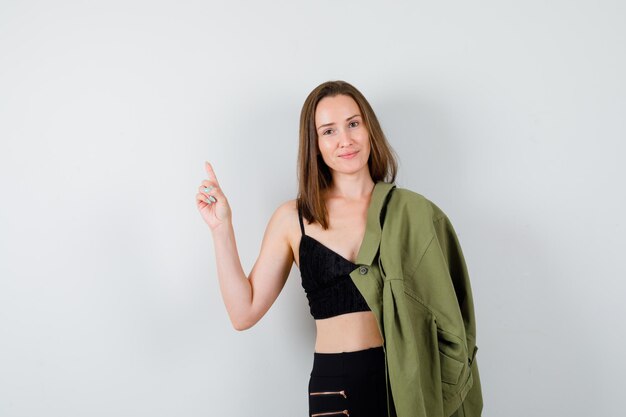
(412, 273)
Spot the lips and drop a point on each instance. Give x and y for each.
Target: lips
(348, 155)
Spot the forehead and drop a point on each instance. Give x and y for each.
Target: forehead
(335, 109)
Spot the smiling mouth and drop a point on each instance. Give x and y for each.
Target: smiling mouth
(348, 155)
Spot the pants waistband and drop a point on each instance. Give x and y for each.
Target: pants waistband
(360, 362)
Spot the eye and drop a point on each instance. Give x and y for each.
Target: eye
(353, 123)
(326, 131)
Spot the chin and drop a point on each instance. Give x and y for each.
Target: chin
(351, 171)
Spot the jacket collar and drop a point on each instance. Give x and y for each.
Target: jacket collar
(371, 239)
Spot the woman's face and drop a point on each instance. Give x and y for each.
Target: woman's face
(342, 136)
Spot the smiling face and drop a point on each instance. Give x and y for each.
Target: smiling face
(342, 136)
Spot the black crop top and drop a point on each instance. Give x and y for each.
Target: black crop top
(326, 280)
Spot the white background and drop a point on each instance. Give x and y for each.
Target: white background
(509, 115)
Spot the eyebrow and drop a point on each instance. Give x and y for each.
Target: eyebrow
(330, 124)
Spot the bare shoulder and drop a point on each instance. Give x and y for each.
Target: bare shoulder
(287, 208)
(285, 219)
(286, 215)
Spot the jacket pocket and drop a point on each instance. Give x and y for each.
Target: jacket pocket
(452, 356)
(451, 369)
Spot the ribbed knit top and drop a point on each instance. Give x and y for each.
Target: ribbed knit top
(326, 280)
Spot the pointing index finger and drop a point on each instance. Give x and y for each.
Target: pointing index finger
(210, 172)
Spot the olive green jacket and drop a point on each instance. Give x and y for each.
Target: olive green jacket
(412, 274)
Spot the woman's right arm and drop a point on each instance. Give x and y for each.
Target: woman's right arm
(247, 299)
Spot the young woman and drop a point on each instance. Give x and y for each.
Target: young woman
(392, 304)
(343, 153)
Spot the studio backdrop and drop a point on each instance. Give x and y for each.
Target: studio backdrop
(509, 115)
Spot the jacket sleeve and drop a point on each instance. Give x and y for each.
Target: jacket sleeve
(453, 254)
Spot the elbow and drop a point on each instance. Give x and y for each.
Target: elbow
(243, 320)
(241, 325)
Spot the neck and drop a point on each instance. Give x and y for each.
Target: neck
(352, 187)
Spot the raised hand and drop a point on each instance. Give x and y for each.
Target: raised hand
(212, 202)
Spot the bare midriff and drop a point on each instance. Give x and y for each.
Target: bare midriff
(347, 333)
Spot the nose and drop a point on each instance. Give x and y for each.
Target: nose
(344, 138)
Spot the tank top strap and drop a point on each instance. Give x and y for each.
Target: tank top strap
(300, 219)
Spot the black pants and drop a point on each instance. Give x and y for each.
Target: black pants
(348, 384)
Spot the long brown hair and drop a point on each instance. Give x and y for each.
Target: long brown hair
(313, 174)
